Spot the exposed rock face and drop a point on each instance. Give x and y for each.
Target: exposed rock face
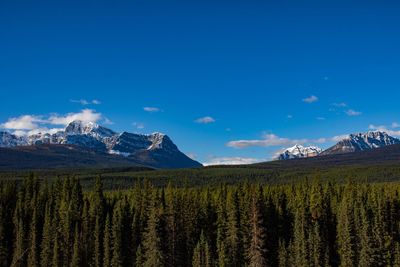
(155, 150)
(362, 142)
(299, 151)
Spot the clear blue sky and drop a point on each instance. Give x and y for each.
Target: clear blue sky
(249, 65)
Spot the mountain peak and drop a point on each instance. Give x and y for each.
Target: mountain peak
(362, 141)
(299, 151)
(155, 150)
(80, 127)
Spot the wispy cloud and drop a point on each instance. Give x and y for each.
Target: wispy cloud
(138, 125)
(232, 161)
(85, 102)
(395, 125)
(33, 124)
(86, 115)
(107, 121)
(321, 118)
(339, 105)
(24, 122)
(271, 140)
(338, 138)
(383, 128)
(289, 116)
(205, 120)
(352, 113)
(310, 99)
(151, 109)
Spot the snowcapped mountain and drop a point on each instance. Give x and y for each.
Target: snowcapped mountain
(155, 150)
(299, 151)
(9, 140)
(361, 142)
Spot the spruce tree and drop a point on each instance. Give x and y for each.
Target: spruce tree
(153, 244)
(202, 254)
(107, 242)
(76, 253)
(257, 250)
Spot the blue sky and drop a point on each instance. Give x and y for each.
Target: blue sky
(248, 65)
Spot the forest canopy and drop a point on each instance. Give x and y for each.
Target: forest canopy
(248, 224)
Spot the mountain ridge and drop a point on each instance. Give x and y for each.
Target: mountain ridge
(155, 150)
(356, 142)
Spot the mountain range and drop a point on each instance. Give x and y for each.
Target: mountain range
(154, 150)
(352, 143)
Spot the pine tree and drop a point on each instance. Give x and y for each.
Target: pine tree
(202, 254)
(117, 257)
(97, 255)
(107, 243)
(257, 249)
(57, 260)
(234, 243)
(33, 254)
(46, 253)
(222, 247)
(347, 238)
(153, 244)
(76, 254)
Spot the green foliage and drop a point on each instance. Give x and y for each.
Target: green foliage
(299, 224)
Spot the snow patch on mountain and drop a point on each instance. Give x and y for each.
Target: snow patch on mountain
(362, 142)
(299, 151)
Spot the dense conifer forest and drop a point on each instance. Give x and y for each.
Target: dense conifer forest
(303, 224)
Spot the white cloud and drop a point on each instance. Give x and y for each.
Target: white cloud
(339, 105)
(34, 124)
(151, 109)
(352, 112)
(24, 122)
(321, 118)
(85, 102)
(271, 140)
(138, 125)
(81, 101)
(232, 161)
(107, 121)
(290, 116)
(383, 128)
(310, 99)
(42, 130)
(86, 115)
(205, 120)
(395, 125)
(338, 138)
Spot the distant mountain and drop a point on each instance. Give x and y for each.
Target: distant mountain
(155, 150)
(361, 142)
(299, 151)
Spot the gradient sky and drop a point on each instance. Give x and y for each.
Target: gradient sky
(267, 73)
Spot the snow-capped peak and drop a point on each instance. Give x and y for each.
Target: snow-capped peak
(80, 127)
(299, 151)
(361, 142)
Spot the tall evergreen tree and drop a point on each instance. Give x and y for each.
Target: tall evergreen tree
(202, 254)
(257, 250)
(153, 244)
(76, 260)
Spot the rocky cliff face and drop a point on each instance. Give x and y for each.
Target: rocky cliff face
(155, 150)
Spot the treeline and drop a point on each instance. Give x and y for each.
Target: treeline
(307, 224)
